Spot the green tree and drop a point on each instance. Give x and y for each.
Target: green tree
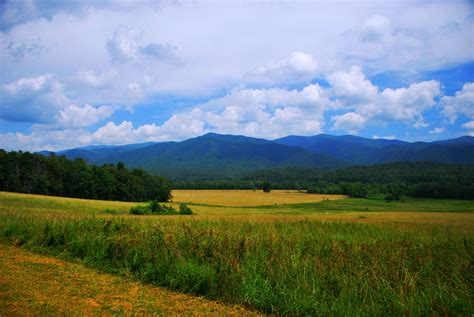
(266, 187)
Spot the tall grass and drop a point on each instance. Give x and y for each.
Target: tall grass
(297, 268)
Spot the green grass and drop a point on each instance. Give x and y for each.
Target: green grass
(377, 203)
(295, 268)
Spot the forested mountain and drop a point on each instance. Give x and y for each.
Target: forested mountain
(208, 156)
(215, 156)
(358, 150)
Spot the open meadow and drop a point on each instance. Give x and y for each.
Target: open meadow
(281, 253)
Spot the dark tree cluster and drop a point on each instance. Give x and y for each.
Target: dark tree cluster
(26, 172)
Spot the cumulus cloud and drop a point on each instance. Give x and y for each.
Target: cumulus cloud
(354, 91)
(94, 79)
(437, 130)
(42, 100)
(297, 67)
(124, 45)
(468, 125)
(380, 43)
(461, 103)
(351, 122)
(31, 99)
(352, 85)
(271, 113)
(406, 104)
(74, 116)
(50, 140)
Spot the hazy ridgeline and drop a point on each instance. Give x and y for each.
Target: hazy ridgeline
(296, 268)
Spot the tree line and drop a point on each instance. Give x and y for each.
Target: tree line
(26, 172)
(394, 180)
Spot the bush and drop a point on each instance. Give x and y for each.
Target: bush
(139, 210)
(185, 210)
(266, 187)
(155, 208)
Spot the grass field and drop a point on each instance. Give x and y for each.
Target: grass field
(30, 284)
(339, 257)
(248, 197)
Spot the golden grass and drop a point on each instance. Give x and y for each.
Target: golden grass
(248, 197)
(86, 203)
(32, 285)
(52, 207)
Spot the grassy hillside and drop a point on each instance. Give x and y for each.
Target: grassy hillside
(277, 259)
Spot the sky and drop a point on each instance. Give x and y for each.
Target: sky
(81, 72)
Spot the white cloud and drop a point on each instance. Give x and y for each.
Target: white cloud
(402, 104)
(352, 84)
(124, 133)
(42, 100)
(461, 103)
(387, 137)
(437, 130)
(369, 105)
(74, 116)
(214, 43)
(268, 113)
(403, 43)
(351, 122)
(468, 125)
(297, 67)
(93, 79)
(124, 45)
(420, 124)
(407, 104)
(50, 140)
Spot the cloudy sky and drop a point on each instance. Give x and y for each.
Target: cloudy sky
(82, 72)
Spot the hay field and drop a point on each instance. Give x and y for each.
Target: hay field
(248, 197)
(338, 257)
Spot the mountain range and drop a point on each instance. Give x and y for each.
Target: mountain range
(215, 155)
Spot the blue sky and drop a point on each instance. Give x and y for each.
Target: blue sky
(82, 72)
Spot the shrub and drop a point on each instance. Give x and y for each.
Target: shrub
(155, 208)
(266, 187)
(185, 210)
(139, 210)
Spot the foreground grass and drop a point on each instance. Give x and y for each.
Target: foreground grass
(300, 267)
(30, 284)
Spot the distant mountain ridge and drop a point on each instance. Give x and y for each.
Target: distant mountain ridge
(363, 151)
(216, 155)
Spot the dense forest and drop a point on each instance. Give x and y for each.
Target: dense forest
(417, 179)
(25, 172)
